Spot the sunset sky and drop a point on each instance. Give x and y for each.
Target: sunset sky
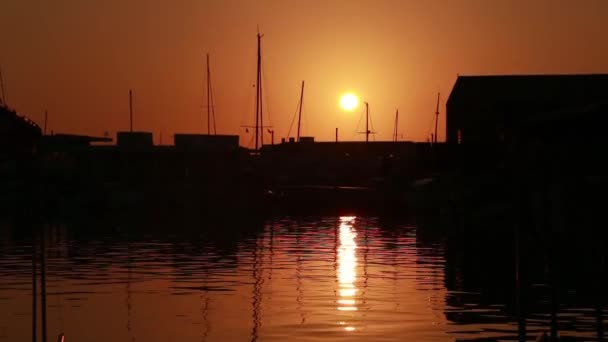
(79, 58)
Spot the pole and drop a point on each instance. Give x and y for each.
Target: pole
(436, 117)
(396, 125)
(336, 134)
(130, 110)
(366, 122)
(46, 117)
(300, 113)
(208, 96)
(272, 137)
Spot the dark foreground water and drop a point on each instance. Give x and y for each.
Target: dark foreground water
(297, 279)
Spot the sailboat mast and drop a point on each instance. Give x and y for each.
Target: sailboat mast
(258, 100)
(208, 97)
(436, 118)
(396, 126)
(260, 90)
(366, 122)
(300, 113)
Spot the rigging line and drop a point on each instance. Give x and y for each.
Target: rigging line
(266, 89)
(371, 123)
(293, 119)
(358, 123)
(250, 145)
(210, 101)
(428, 133)
(299, 134)
(303, 124)
(245, 116)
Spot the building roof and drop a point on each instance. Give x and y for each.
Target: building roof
(528, 93)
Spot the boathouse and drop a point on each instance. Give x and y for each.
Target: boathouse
(491, 109)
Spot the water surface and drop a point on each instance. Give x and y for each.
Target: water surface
(300, 279)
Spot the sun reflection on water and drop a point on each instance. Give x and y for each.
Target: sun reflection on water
(347, 267)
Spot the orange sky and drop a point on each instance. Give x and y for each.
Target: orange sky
(78, 59)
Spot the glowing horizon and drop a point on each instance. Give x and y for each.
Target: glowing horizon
(78, 60)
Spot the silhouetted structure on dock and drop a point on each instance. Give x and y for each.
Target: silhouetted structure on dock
(67, 142)
(492, 109)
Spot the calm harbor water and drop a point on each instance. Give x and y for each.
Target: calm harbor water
(343, 278)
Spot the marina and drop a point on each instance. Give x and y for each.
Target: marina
(442, 177)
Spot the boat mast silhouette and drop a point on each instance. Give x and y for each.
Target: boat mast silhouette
(367, 124)
(396, 133)
(259, 123)
(210, 103)
(259, 113)
(436, 119)
(300, 111)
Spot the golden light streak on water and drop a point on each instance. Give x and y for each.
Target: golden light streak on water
(347, 267)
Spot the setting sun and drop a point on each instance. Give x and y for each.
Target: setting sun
(349, 102)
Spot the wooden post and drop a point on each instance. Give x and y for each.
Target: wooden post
(43, 283)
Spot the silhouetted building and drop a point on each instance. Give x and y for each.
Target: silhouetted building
(207, 143)
(306, 140)
(491, 109)
(134, 140)
(64, 142)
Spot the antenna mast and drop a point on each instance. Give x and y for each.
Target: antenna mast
(300, 113)
(396, 126)
(436, 118)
